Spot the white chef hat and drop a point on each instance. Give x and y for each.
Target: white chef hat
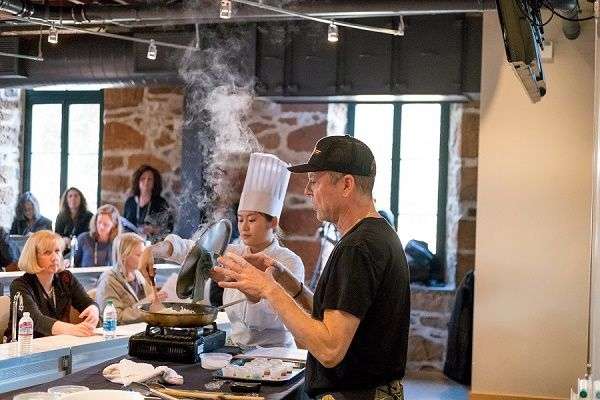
(265, 185)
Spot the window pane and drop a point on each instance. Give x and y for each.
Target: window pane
(419, 166)
(46, 120)
(84, 123)
(373, 124)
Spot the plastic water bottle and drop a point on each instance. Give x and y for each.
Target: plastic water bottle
(73, 246)
(109, 321)
(25, 333)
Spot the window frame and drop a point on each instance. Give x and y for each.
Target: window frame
(65, 98)
(395, 178)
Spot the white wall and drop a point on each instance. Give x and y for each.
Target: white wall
(533, 220)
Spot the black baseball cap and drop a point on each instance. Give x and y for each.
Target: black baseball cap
(343, 154)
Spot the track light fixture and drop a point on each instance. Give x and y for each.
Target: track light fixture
(225, 12)
(332, 33)
(152, 50)
(53, 35)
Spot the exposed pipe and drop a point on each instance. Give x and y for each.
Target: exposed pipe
(207, 11)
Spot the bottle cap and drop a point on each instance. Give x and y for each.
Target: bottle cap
(109, 302)
(26, 314)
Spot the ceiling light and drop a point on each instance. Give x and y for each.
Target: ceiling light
(400, 31)
(53, 35)
(225, 12)
(151, 50)
(332, 33)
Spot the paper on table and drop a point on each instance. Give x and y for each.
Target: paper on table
(277, 352)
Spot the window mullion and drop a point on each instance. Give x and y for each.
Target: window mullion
(64, 146)
(395, 184)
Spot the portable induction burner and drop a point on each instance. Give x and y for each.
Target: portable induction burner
(182, 345)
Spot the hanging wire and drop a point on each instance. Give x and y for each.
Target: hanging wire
(43, 22)
(316, 19)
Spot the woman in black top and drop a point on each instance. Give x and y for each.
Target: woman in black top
(49, 291)
(74, 217)
(146, 208)
(27, 216)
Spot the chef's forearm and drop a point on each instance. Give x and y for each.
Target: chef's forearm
(163, 249)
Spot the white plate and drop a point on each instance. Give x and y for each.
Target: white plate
(104, 395)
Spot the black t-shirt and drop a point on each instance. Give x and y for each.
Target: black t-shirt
(366, 276)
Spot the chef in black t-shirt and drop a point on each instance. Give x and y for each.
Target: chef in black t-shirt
(355, 327)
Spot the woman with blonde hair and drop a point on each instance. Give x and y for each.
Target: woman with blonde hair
(94, 248)
(49, 291)
(124, 284)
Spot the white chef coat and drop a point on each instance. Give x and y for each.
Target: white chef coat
(252, 324)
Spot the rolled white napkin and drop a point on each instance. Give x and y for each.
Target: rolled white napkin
(127, 371)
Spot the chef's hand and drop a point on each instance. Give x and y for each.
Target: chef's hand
(161, 295)
(251, 281)
(281, 274)
(146, 265)
(90, 316)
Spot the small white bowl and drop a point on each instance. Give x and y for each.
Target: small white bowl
(215, 360)
(103, 395)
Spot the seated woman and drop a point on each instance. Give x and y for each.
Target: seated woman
(74, 217)
(9, 253)
(49, 291)
(95, 247)
(146, 208)
(27, 216)
(124, 284)
(252, 324)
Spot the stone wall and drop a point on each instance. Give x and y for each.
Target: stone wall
(11, 140)
(461, 210)
(291, 131)
(431, 308)
(141, 126)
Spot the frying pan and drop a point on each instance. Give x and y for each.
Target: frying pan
(196, 268)
(203, 314)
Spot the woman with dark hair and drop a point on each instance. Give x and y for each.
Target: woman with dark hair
(74, 217)
(27, 216)
(146, 208)
(95, 247)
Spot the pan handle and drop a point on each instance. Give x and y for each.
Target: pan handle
(224, 306)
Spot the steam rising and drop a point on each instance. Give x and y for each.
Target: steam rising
(220, 95)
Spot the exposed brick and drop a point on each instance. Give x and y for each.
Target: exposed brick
(435, 322)
(117, 98)
(436, 301)
(110, 163)
(164, 140)
(165, 90)
(270, 141)
(297, 184)
(470, 135)
(305, 138)
(466, 235)
(296, 107)
(135, 160)
(308, 252)
(259, 127)
(299, 221)
(468, 183)
(420, 349)
(289, 121)
(116, 183)
(466, 262)
(121, 136)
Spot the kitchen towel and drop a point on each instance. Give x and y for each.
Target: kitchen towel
(127, 371)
